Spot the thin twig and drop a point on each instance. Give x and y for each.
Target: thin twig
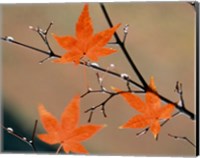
(102, 105)
(30, 142)
(125, 32)
(182, 138)
(103, 90)
(144, 131)
(165, 121)
(179, 90)
(33, 135)
(43, 34)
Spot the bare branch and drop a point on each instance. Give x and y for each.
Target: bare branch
(102, 105)
(30, 142)
(96, 67)
(182, 138)
(43, 34)
(124, 50)
(33, 134)
(125, 32)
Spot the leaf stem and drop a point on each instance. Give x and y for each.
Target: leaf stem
(59, 148)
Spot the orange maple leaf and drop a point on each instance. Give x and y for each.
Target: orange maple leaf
(151, 109)
(85, 43)
(67, 133)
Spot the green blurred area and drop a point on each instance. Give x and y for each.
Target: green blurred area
(161, 41)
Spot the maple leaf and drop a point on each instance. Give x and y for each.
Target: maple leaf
(85, 43)
(67, 133)
(151, 110)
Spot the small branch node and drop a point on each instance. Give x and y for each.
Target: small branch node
(8, 39)
(124, 76)
(24, 138)
(94, 65)
(126, 28)
(179, 90)
(10, 130)
(125, 32)
(90, 89)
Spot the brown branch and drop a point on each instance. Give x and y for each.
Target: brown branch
(102, 105)
(30, 142)
(124, 50)
(129, 82)
(182, 138)
(125, 32)
(105, 91)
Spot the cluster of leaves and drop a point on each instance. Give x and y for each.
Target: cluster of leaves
(68, 133)
(92, 46)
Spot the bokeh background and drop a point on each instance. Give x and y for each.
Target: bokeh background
(161, 41)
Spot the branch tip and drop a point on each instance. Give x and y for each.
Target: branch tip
(182, 138)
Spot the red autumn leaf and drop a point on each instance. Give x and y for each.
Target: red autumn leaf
(85, 43)
(151, 110)
(67, 132)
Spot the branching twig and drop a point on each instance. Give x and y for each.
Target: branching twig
(30, 142)
(182, 138)
(103, 90)
(182, 109)
(43, 34)
(162, 124)
(102, 105)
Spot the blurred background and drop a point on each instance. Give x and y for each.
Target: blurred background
(161, 41)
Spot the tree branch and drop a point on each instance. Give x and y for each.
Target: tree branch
(129, 82)
(124, 50)
(182, 138)
(30, 142)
